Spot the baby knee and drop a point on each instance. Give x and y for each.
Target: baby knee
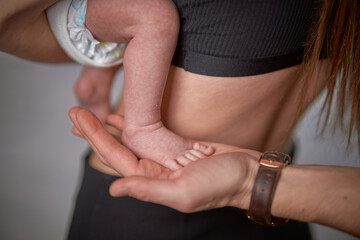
(162, 17)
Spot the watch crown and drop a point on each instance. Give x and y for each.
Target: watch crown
(274, 159)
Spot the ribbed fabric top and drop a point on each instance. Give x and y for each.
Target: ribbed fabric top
(241, 37)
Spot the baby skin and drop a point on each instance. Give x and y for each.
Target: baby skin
(92, 90)
(150, 27)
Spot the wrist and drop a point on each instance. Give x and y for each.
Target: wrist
(265, 185)
(242, 198)
(250, 183)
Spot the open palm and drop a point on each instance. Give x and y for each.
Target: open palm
(216, 181)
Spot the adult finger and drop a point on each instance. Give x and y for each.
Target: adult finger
(76, 131)
(115, 154)
(115, 120)
(73, 116)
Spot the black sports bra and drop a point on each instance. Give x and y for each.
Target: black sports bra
(231, 38)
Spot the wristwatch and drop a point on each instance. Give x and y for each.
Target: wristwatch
(271, 164)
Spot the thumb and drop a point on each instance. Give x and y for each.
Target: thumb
(165, 192)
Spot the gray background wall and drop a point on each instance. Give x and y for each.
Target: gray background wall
(40, 159)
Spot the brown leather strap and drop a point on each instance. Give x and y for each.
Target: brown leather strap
(262, 194)
(271, 164)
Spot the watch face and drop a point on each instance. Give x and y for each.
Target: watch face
(275, 159)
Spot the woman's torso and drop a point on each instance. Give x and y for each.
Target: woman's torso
(255, 112)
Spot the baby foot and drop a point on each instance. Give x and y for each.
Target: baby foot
(92, 90)
(159, 144)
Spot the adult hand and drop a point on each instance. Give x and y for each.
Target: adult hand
(108, 147)
(224, 179)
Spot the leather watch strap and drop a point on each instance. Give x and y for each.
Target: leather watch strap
(271, 164)
(263, 193)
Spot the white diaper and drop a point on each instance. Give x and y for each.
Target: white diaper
(67, 22)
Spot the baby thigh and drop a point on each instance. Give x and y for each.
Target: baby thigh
(122, 20)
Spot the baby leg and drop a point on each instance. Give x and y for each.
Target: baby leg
(92, 90)
(146, 64)
(151, 27)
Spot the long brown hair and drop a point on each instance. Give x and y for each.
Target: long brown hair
(335, 35)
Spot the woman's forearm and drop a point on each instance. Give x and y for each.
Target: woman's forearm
(25, 32)
(327, 195)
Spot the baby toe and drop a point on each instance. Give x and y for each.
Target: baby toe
(191, 156)
(172, 164)
(183, 160)
(205, 149)
(197, 153)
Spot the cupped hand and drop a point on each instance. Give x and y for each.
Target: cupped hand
(108, 147)
(224, 179)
